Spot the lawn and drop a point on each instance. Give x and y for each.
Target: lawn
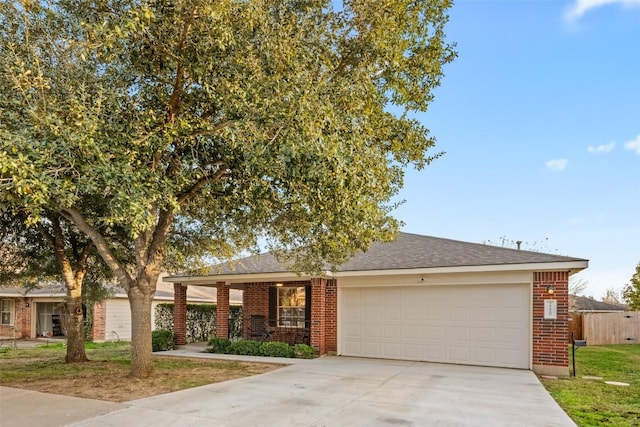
(104, 377)
(592, 402)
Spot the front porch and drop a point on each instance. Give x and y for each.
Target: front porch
(292, 311)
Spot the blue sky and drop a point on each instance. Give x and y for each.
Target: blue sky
(539, 117)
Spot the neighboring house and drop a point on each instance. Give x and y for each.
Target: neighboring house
(417, 298)
(599, 322)
(39, 312)
(581, 304)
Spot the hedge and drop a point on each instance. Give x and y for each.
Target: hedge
(201, 320)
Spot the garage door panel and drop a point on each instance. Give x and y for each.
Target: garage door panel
(481, 325)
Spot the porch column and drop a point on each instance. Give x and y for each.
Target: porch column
(179, 314)
(222, 311)
(318, 321)
(98, 322)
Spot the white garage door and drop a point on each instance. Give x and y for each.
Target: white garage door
(475, 325)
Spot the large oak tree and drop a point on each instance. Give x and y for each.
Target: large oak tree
(205, 126)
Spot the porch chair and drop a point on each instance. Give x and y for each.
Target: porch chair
(258, 328)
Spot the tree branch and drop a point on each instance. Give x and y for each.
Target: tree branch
(200, 183)
(174, 100)
(101, 245)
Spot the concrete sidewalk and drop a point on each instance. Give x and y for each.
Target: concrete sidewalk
(26, 408)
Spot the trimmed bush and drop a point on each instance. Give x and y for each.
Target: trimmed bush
(246, 348)
(303, 351)
(276, 349)
(161, 340)
(219, 345)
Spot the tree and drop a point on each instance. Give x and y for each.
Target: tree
(207, 126)
(613, 296)
(631, 292)
(49, 250)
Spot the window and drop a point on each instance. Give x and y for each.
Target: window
(6, 312)
(291, 307)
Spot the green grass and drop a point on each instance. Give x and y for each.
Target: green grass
(594, 403)
(47, 361)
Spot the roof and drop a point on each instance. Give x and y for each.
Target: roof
(407, 252)
(581, 303)
(164, 292)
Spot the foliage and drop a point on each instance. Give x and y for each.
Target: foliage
(304, 351)
(218, 345)
(631, 292)
(276, 349)
(256, 348)
(162, 340)
(201, 320)
(184, 131)
(592, 402)
(246, 348)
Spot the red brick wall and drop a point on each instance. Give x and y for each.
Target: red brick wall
(550, 336)
(255, 300)
(98, 324)
(179, 314)
(21, 319)
(331, 315)
(318, 310)
(222, 310)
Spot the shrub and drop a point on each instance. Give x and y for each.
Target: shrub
(277, 349)
(161, 340)
(303, 351)
(246, 348)
(219, 345)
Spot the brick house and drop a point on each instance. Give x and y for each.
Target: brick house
(417, 298)
(40, 312)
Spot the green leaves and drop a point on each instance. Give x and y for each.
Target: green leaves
(246, 119)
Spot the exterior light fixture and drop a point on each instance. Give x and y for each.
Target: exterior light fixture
(279, 285)
(550, 289)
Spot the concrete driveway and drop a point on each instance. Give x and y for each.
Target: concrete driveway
(340, 391)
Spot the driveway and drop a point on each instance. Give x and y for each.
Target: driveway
(341, 391)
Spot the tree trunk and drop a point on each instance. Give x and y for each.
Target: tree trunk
(75, 330)
(140, 298)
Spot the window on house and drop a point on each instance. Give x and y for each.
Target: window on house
(291, 306)
(6, 312)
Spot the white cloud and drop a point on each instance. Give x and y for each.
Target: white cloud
(557, 164)
(602, 148)
(579, 7)
(633, 145)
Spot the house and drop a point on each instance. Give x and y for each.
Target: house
(581, 304)
(39, 312)
(600, 322)
(417, 298)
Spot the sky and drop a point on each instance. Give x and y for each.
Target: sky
(539, 117)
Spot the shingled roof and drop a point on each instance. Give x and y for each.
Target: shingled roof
(580, 303)
(408, 251)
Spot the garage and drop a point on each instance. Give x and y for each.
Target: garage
(484, 325)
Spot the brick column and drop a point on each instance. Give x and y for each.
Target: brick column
(255, 300)
(331, 315)
(98, 322)
(222, 310)
(550, 352)
(179, 314)
(318, 331)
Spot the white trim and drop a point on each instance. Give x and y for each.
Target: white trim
(239, 278)
(554, 266)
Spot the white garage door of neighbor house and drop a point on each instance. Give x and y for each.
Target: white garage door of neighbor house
(474, 325)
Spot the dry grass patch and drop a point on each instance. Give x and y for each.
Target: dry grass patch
(105, 377)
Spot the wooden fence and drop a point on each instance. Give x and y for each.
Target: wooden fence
(610, 328)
